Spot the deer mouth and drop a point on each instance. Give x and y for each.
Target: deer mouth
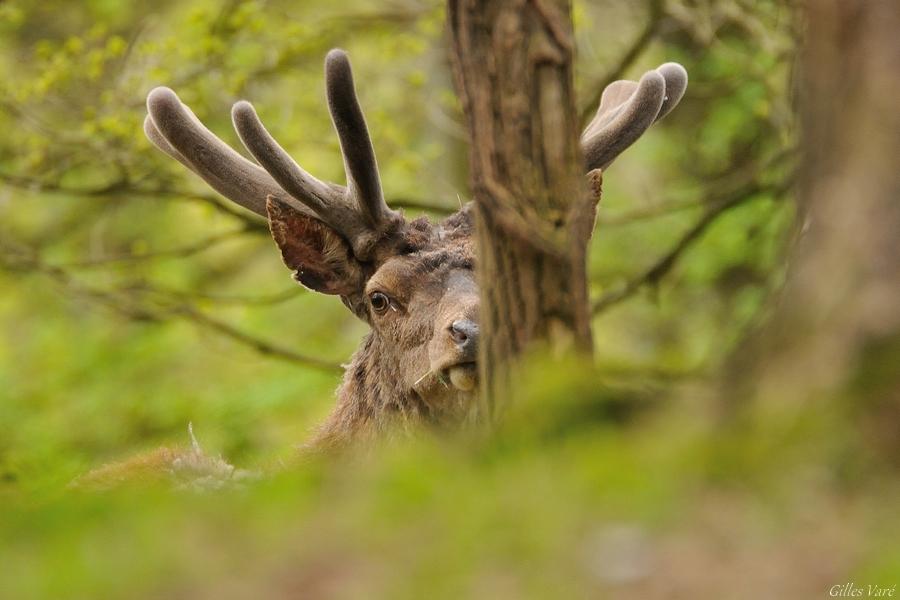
(463, 376)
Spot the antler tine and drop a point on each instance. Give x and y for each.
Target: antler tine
(676, 83)
(330, 203)
(162, 143)
(622, 118)
(613, 100)
(363, 181)
(175, 130)
(314, 193)
(627, 109)
(616, 95)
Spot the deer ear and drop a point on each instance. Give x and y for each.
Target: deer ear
(320, 258)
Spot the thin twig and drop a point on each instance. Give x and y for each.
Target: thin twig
(260, 300)
(180, 252)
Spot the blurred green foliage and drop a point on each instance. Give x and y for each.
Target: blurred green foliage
(129, 291)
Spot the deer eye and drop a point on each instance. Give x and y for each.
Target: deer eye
(380, 302)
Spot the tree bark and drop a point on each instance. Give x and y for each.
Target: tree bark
(513, 70)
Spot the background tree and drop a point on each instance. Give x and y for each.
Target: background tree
(834, 333)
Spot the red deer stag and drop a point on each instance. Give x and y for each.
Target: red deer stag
(411, 281)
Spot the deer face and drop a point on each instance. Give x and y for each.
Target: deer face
(418, 293)
(423, 307)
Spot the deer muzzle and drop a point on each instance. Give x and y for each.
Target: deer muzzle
(463, 373)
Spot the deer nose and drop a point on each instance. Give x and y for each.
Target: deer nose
(464, 333)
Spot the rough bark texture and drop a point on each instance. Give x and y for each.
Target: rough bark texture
(836, 331)
(513, 70)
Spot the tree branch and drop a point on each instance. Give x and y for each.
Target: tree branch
(261, 346)
(180, 252)
(645, 213)
(260, 300)
(666, 262)
(18, 258)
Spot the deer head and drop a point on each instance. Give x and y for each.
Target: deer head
(411, 281)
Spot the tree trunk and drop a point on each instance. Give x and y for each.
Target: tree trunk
(836, 331)
(513, 70)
